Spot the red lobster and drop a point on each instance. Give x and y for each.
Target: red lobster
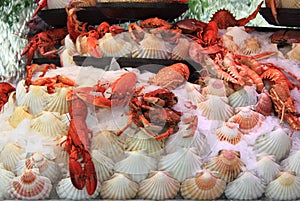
(81, 166)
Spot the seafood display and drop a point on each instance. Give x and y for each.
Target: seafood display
(220, 122)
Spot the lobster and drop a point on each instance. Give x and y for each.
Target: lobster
(81, 167)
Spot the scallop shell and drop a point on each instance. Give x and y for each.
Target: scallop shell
(276, 142)
(109, 143)
(266, 168)
(143, 141)
(49, 124)
(205, 186)
(66, 58)
(46, 167)
(243, 97)
(159, 185)
(29, 186)
(20, 92)
(181, 50)
(11, 153)
(229, 132)
(193, 93)
(214, 87)
(151, 47)
(294, 53)
(238, 33)
(246, 187)
(183, 159)
(58, 102)
(52, 4)
(227, 163)
(229, 43)
(104, 166)
(6, 176)
(19, 115)
(292, 163)
(252, 45)
(35, 99)
(285, 187)
(114, 46)
(66, 190)
(247, 119)
(216, 108)
(264, 105)
(137, 165)
(119, 187)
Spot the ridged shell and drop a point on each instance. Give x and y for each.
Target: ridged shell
(66, 58)
(119, 187)
(247, 119)
(52, 4)
(193, 93)
(29, 186)
(216, 108)
(183, 159)
(229, 132)
(243, 97)
(20, 92)
(246, 187)
(294, 53)
(227, 163)
(46, 167)
(49, 124)
(276, 142)
(292, 162)
(65, 190)
(19, 115)
(104, 166)
(6, 176)
(114, 46)
(181, 50)
(159, 185)
(143, 141)
(205, 186)
(58, 102)
(109, 143)
(151, 47)
(229, 43)
(214, 87)
(285, 187)
(252, 46)
(264, 105)
(11, 153)
(239, 34)
(137, 165)
(266, 168)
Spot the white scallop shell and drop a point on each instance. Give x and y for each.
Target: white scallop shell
(285, 187)
(66, 190)
(216, 108)
(20, 113)
(30, 186)
(6, 176)
(66, 58)
(229, 132)
(137, 165)
(277, 143)
(58, 102)
(183, 159)
(46, 167)
(294, 53)
(35, 99)
(227, 163)
(69, 45)
(159, 185)
(52, 4)
(238, 33)
(205, 185)
(246, 187)
(252, 45)
(10, 154)
(181, 50)
(151, 47)
(292, 162)
(114, 46)
(119, 187)
(193, 93)
(104, 166)
(143, 141)
(266, 168)
(243, 97)
(20, 92)
(49, 124)
(109, 143)
(214, 87)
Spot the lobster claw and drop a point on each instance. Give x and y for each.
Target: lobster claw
(90, 177)
(76, 172)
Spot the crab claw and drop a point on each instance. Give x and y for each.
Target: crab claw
(42, 4)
